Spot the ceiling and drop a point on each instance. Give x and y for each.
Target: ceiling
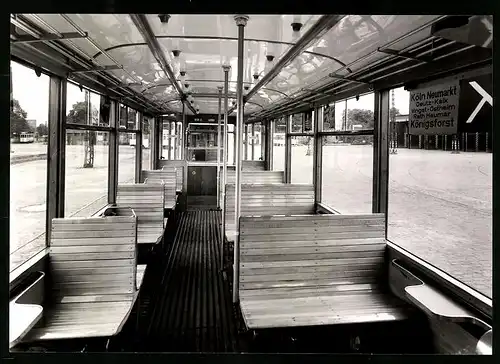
(207, 42)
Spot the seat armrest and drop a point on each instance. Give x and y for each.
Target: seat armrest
(25, 310)
(435, 303)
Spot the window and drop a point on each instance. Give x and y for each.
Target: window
(440, 203)
(28, 163)
(347, 160)
(302, 123)
(172, 140)
(302, 159)
(230, 144)
(165, 140)
(297, 123)
(350, 115)
(126, 158)
(123, 117)
(347, 173)
(132, 118)
(279, 136)
(86, 172)
(257, 142)
(84, 107)
(180, 133)
(247, 133)
(146, 150)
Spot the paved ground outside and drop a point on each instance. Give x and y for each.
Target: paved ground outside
(85, 188)
(440, 204)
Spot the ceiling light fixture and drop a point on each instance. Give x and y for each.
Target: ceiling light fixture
(164, 18)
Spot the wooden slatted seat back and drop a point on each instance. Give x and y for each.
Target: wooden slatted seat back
(271, 199)
(179, 173)
(312, 251)
(146, 199)
(168, 178)
(253, 165)
(93, 257)
(257, 176)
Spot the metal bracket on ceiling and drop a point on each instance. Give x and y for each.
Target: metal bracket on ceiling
(47, 37)
(405, 55)
(97, 69)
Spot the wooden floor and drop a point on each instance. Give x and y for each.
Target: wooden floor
(190, 309)
(201, 203)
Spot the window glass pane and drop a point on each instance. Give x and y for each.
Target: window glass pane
(308, 122)
(279, 145)
(95, 107)
(257, 142)
(171, 134)
(28, 163)
(132, 119)
(123, 117)
(347, 173)
(359, 114)
(329, 117)
(297, 123)
(77, 105)
(146, 150)
(230, 147)
(165, 140)
(302, 159)
(247, 132)
(440, 203)
(179, 140)
(84, 107)
(86, 172)
(126, 158)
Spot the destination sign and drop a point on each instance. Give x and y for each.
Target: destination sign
(434, 109)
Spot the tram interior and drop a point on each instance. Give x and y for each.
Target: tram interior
(207, 247)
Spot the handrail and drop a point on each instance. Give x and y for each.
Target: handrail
(324, 23)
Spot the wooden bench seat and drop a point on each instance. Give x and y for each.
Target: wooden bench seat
(147, 201)
(179, 173)
(315, 270)
(253, 165)
(257, 176)
(95, 279)
(169, 179)
(268, 199)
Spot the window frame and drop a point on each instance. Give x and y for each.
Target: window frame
(53, 91)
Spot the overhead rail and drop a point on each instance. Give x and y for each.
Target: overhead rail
(207, 37)
(92, 42)
(367, 56)
(325, 23)
(147, 33)
(382, 79)
(79, 57)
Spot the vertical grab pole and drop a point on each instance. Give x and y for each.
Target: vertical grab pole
(218, 146)
(241, 22)
(226, 69)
